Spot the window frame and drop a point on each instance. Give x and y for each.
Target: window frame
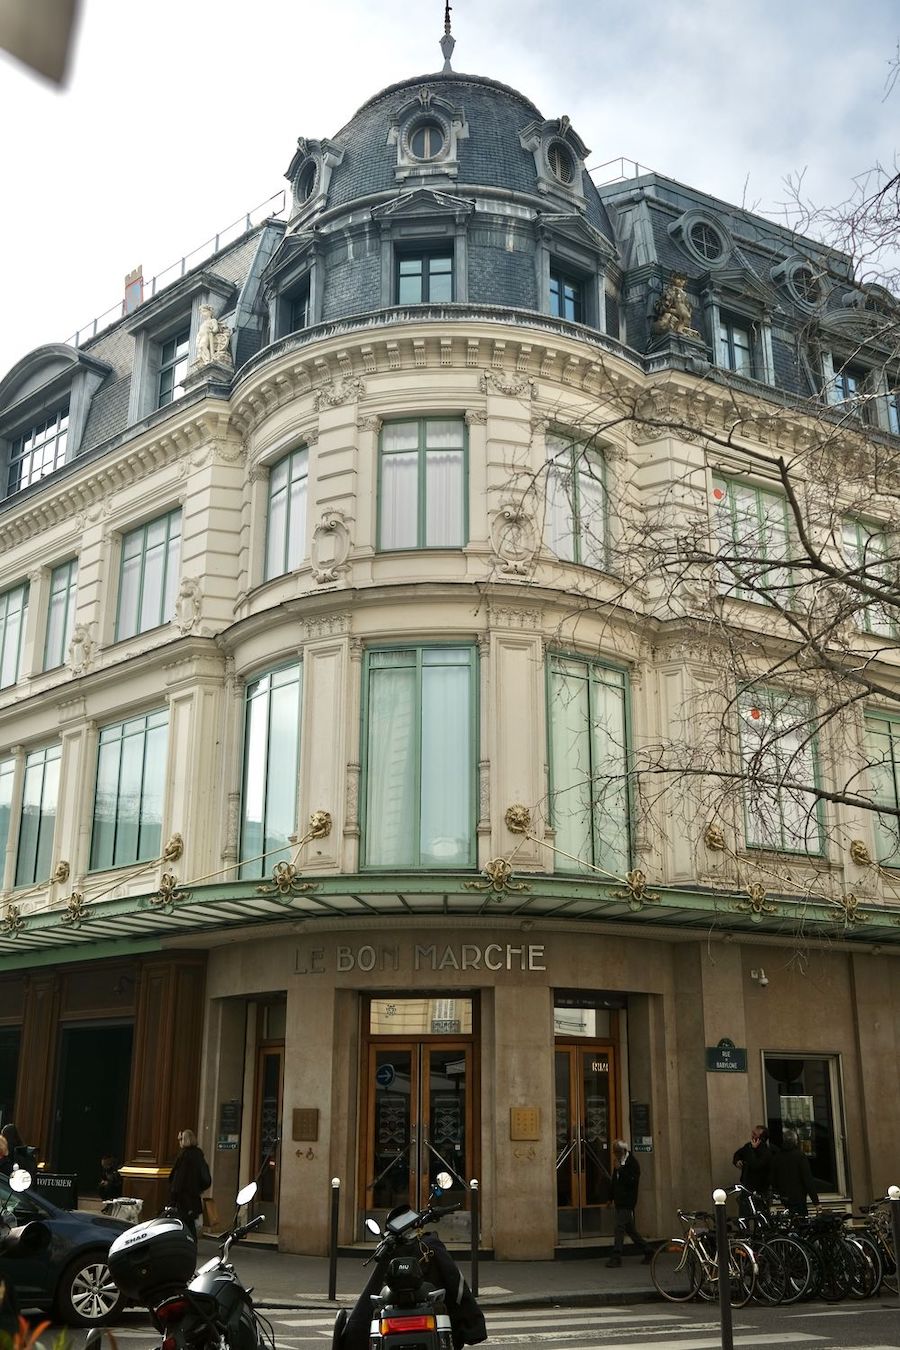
(564, 280)
(834, 1063)
(49, 757)
(473, 667)
(23, 589)
(866, 531)
(723, 481)
(68, 622)
(577, 453)
(425, 254)
(180, 361)
(266, 864)
(286, 550)
(728, 324)
(140, 855)
(591, 665)
(764, 696)
(422, 484)
(166, 583)
(60, 440)
(891, 723)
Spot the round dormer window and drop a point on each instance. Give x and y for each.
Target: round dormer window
(805, 284)
(426, 140)
(306, 181)
(706, 241)
(562, 165)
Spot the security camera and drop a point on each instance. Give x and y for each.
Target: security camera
(763, 979)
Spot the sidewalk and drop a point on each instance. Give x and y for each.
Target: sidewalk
(281, 1280)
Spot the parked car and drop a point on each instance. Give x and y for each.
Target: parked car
(70, 1279)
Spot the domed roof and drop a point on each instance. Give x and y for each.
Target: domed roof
(489, 151)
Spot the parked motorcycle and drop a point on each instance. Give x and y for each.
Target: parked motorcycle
(23, 1240)
(153, 1264)
(416, 1298)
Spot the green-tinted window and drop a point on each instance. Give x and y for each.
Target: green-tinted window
(38, 820)
(424, 278)
(575, 514)
(7, 778)
(423, 484)
(13, 611)
(128, 803)
(286, 532)
(589, 766)
(271, 769)
(39, 450)
(751, 535)
(61, 613)
(151, 556)
(173, 364)
(420, 758)
(566, 296)
(883, 754)
(735, 347)
(866, 558)
(778, 757)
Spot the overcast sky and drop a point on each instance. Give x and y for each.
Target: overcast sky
(180, 115)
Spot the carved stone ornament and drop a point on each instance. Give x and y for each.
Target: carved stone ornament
(714, 836)
(173, 849)
(12, 922)
(61, 872)
(493, 382)
(498, 875)
(82, 649)
(859, 852)
(518, 818)
(77, 910)
(673, 310)
(514, 538)
(637, 894)
(187, 605)
(756, 904)
(333, 395)
(330, 546)
(213, 342)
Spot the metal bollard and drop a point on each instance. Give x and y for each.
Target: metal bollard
(894, 1197)
(724, 1274)
(476, 1231)
(333, 1237)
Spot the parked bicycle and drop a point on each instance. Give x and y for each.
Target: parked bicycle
(688, 1267)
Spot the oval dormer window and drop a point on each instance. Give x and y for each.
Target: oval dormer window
(306, 181)
(706, 241)
(426, 140)
(562, 165)
(805, 284)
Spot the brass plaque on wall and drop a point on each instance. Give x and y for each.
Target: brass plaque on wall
(524, 1122)
(306, 1124)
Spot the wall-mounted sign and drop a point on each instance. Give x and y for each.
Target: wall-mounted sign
(725, 1058)
(642, 1143)
(229, 1126)
(640, 1121)
(384, 1075)
(487, 956)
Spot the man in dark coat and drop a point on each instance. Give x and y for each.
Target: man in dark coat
(756, 1159)
(626, 1176)
(188, 1180)
(792, 1175)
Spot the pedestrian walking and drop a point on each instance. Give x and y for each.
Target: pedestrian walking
(626, 1178)
(756, 1160)
(792, 1175)
(188, 1180)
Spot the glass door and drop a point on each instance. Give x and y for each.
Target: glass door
(586, 1124)
(267, 1123)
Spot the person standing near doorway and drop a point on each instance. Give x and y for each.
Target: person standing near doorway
(756, 1159)
(626, 1177)
(792, 1176)
(188, 1180)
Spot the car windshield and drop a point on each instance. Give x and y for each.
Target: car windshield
(21, 1202)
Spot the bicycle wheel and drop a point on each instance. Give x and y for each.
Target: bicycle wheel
(865, 1275)
(675, 1271)
(771, 1276)
(837, 1271)
(797, 1265)
(742, 1271)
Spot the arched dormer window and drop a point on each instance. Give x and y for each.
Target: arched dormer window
(559, 155)
(426, 130)
(44, 403)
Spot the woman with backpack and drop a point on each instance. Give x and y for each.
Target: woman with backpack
(188, 1180)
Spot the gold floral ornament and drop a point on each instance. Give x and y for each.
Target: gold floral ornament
(168, 895)
(498, 876)
(77, 910)
(518, 818)
(637, 894)
(847, 910)
(859, 852)
(286, 880)
(714, 837)
(173, 849)
(12, 921)
(756, 904)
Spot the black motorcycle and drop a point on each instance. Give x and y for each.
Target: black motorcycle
(153, 1264)
(416, 1298)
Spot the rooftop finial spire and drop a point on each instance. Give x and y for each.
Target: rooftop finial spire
(448, 41)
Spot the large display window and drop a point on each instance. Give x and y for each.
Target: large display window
(803, 1094)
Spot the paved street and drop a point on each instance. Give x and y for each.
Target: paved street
(862, 1326)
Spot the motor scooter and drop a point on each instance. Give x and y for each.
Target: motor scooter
(416, 1298)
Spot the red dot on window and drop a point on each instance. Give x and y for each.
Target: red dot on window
(755, 714)
(718, 493)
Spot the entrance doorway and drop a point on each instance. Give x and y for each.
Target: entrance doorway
(586, 1125)
(419, 1107)
(91, 1099)
(267, 1107)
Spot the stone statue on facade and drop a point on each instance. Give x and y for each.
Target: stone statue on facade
(213, 340)
(187, 604)
(673, 310)
(81, 649)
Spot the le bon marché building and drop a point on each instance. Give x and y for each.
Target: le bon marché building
(319, 687)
